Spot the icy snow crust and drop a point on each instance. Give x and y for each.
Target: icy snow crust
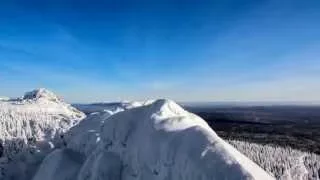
(154, 140)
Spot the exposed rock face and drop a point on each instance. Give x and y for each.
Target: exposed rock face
(41, 94)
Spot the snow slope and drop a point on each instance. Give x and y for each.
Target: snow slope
(157, 140)
(30, 127)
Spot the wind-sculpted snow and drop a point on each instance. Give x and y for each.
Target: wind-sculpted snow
(85, 137)
(29, 127)
(157, 140)
(55, 165)
(112, 107)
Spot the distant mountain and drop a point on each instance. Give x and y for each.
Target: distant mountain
(32, 124)
(113, 106)
(2, 98)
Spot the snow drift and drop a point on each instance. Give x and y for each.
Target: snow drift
(155, 140)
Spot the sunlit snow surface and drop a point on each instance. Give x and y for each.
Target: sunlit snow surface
(30, 127)
(157, 140)
(148, 140)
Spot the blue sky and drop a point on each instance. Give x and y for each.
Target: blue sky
(226, 50)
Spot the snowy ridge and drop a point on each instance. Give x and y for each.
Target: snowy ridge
(111, 106)
(156, 140)
(29, 126)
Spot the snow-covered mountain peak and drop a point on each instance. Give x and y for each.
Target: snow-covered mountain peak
(33, 123)
(169, 116)
(41, 93)
(166, 106)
